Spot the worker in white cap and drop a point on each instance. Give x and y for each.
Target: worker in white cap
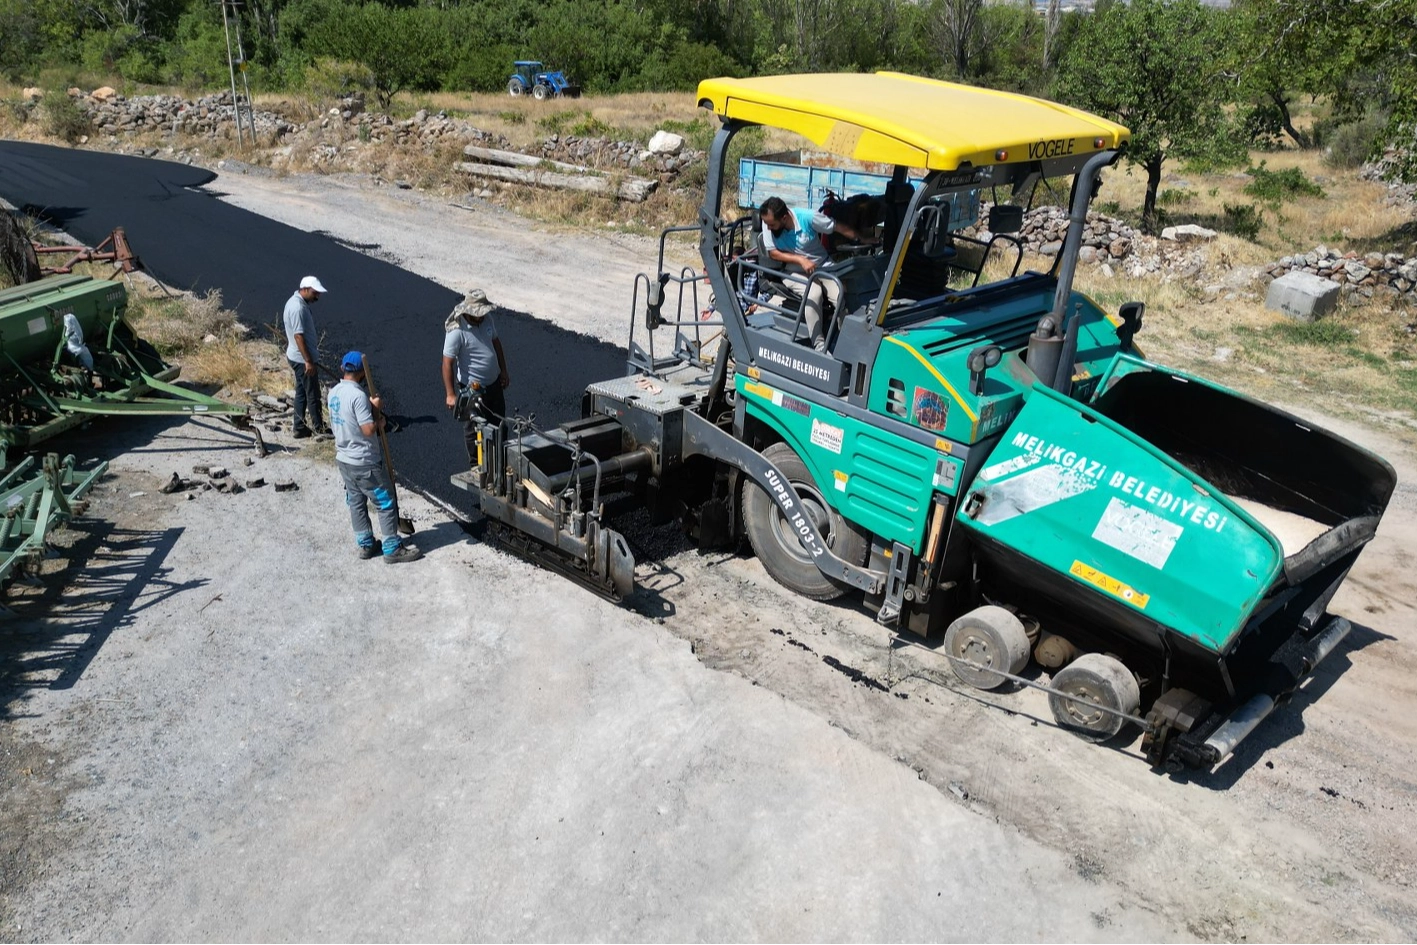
(302, 351)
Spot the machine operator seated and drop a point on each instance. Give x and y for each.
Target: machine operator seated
(796, 239)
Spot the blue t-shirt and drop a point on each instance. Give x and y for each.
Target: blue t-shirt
(349, 410)
(800, 239)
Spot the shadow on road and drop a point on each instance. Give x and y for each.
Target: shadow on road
(111, 574)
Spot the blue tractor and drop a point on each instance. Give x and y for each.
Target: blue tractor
(532, 77)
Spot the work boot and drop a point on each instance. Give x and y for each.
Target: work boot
(369, 551)
(403, 553)
(303, 434)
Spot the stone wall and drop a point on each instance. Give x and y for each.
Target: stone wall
(1388, 275)
(209, 116)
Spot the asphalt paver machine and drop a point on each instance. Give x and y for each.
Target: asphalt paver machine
(981, 452)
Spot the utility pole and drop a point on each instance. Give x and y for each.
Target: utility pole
(231, 68)
(241, 67)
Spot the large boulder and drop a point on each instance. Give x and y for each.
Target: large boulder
(1303, 297)
(32, 94)
(103, 94)
(1186, 233)
(665, 142)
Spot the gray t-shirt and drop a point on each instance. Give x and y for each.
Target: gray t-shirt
(299, 321)
(349, 410)
(470, 347)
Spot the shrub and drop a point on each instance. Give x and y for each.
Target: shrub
(1244, 220)
(63, 118)
(1174, 197)
(1275, 187)
(332, 78)
(513, 118)
(1351, 144)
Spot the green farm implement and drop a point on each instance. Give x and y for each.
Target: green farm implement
(46, 389)
(978, 450)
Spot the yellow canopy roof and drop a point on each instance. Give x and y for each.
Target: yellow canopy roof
(902, 119)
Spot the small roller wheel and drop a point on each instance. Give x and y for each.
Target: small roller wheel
(986, 638)
(1100, 679)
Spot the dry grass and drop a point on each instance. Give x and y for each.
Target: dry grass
(1360, 363)
(1350, 215)
(205, 338)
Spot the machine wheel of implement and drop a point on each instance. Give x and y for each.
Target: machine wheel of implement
(515, 88)
(539, 92)
(1097, 678)
(780, 550)
(987, 637)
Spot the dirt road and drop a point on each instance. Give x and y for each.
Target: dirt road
(286, 763)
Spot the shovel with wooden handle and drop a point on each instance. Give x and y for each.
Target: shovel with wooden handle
(405, 525)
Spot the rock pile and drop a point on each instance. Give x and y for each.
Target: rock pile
(1107, 238)
(1399, 194)
(210, 115)
(115, 115)
(1368, 275)
(666, 154)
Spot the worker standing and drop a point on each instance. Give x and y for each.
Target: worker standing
(302, 351)
(356, 419)
(473, 357)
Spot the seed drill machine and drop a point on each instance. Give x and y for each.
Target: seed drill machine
(45, 390)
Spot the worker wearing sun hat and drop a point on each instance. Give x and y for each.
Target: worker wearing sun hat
(356, 418)
(302, 351)
(473, 356)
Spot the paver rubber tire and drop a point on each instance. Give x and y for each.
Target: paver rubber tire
(778, 547)
(539, 92)
(1101, 679)
(987, 637)
(515, 88)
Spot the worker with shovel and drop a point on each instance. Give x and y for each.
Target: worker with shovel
(357, 419)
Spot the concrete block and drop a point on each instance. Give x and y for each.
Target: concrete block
(1302, 296)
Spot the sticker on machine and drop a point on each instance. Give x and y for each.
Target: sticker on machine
(1137, 532)
(827, 436)
(931, 410)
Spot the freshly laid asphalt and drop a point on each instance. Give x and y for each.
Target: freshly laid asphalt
(190, 239)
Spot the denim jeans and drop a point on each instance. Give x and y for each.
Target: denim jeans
(307, 397)
(361, 484)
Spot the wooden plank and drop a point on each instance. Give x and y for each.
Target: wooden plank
(517, 159)
(630, 188)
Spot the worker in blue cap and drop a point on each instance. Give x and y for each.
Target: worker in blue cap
(355, 419)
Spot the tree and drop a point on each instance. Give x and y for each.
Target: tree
(956, 23)
(1153, 66)
(1285, 48)
(402, 48)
